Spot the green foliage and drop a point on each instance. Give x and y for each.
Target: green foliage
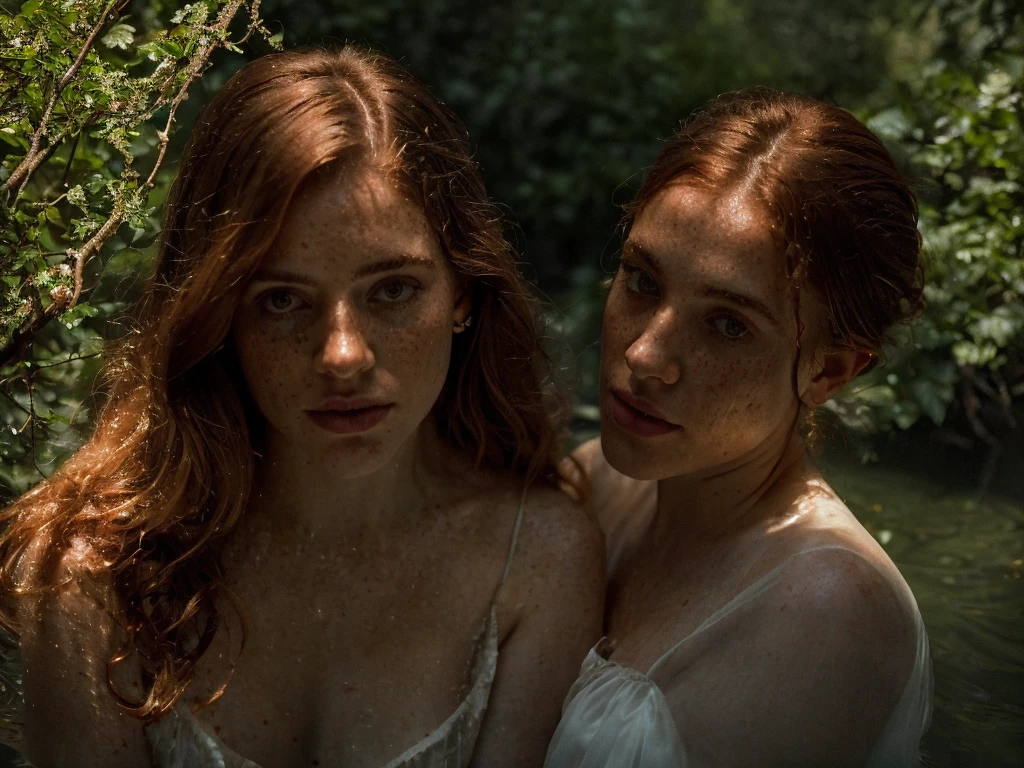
(88, 100)
(566, 102)
(957, 121)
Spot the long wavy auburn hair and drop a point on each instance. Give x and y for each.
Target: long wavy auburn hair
(167, 474)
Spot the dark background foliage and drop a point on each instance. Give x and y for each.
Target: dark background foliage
(566, 103)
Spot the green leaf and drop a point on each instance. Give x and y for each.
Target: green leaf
(53, 216)
(120, 35)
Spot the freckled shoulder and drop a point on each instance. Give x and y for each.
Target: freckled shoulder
(558, 539)
(807, 672)
(68, 635)
(552, 514)
(851, 592)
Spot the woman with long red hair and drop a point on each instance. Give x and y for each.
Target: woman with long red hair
(751, 620)
(319, 520)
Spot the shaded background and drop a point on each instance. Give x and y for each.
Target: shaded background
(567, 102)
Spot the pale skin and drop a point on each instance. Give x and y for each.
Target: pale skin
(366, 562)
(700, 330)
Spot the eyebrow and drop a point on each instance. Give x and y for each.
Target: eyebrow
(715, 292)
(388, 265)
(279, 276)
(638, 251)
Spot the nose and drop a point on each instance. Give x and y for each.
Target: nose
(344, 350)
(652, 354)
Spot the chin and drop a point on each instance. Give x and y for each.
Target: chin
(343, 457)
(634, 456)
(357, 456)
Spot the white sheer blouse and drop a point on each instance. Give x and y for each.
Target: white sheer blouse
(619, 717)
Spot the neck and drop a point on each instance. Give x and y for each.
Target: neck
(298, 489)
(698, 509)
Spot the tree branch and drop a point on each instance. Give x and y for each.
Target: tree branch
(34, 157)
(63, 301)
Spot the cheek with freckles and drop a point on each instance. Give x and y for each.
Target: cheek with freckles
(418, 357)
(619, 330)
(276, 368)
(737, 402)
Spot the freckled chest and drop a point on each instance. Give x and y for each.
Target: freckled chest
(356, 649)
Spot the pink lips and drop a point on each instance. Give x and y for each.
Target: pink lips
(348, 416)
(638, 416)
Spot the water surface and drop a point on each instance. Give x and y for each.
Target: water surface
(963, 556)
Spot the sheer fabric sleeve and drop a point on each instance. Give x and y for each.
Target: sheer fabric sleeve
(899, 742)
(822, 662)
(614, 717)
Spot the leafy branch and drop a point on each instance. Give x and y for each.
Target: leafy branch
(89, 99)
(107, 95)
(36, 155)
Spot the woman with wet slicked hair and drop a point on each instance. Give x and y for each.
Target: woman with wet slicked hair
(319, 521)
(750, 619)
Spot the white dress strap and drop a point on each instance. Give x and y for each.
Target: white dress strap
(515, 536)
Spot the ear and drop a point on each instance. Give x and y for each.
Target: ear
(838, 368)
(463, 301)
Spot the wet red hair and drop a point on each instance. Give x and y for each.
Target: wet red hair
(841, 211)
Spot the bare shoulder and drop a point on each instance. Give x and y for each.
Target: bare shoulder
(853, 646)
(807, 671)
(557, 575)
(847, 585)
(838, 568)
(551, 606)
(68, 636)
(557, 535)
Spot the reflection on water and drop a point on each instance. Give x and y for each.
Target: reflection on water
(964, 560)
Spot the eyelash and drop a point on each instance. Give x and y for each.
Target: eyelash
(631, 270)
(262, 301)
(713, 327)
(400, 302)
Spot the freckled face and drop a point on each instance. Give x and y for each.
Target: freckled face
(344, 334)
(699, 338)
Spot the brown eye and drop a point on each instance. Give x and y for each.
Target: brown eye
(394, 292)
(729, 327)
(280, 302)
(640, 281)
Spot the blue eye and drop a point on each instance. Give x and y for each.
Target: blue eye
(280, 302)
(394, 292)
(730, 327)
(639, 280)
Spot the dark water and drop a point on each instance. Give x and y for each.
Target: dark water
(963, 556)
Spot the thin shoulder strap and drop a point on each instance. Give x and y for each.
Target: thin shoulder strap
(515, 536)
